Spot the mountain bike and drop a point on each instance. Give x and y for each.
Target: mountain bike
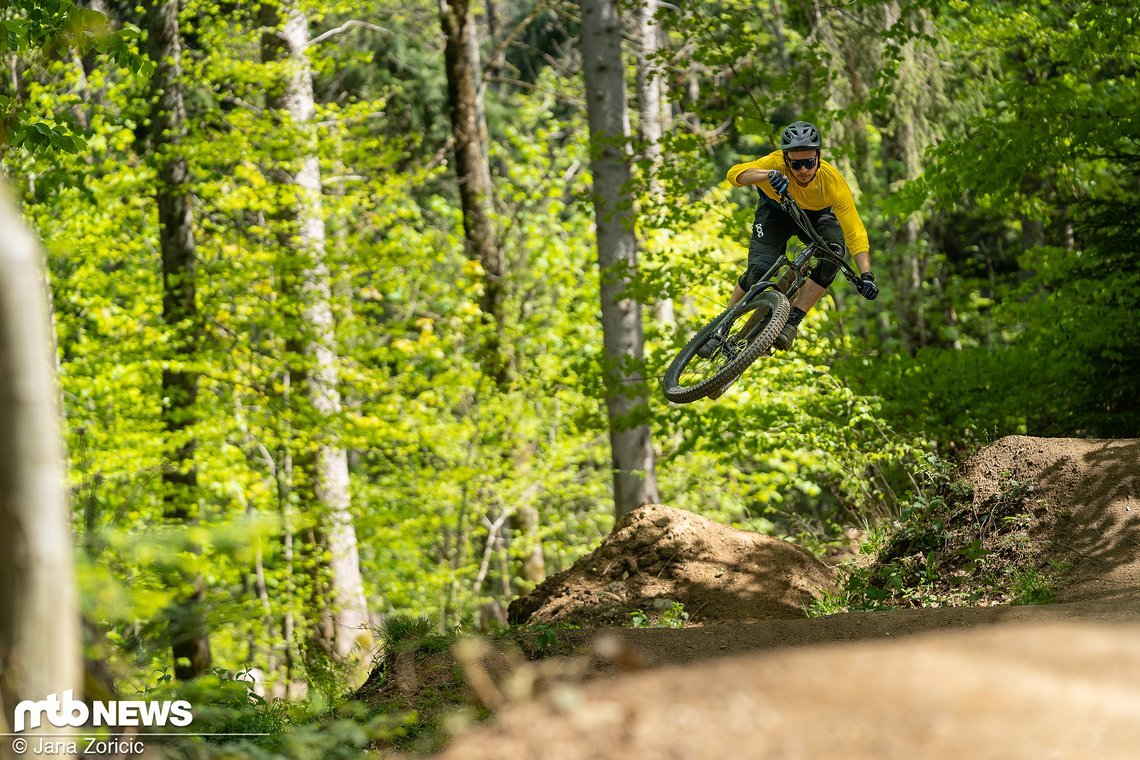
(745, 331)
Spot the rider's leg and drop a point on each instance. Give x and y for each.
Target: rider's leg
(771, 230)
(817, 283)
(823, 273)
(809, 295)
(737, 294)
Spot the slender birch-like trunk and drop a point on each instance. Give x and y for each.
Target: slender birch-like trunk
(634, 461)
(326, 469)
(651, 122)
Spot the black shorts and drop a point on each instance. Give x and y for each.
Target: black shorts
(771, 231)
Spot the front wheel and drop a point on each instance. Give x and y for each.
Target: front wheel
(706, 366)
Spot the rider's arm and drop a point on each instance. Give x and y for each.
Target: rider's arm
(755, 172)
(854, 233)
(751, 177)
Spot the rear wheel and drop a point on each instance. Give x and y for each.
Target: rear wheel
(749, 328)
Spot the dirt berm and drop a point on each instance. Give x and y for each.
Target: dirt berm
(757, 679)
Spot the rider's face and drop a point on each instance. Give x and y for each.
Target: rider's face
(805, 175)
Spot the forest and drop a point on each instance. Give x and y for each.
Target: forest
(359, 310)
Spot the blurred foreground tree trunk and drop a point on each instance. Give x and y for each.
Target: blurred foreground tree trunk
(39, 618)
(634, 462)
(189, 629)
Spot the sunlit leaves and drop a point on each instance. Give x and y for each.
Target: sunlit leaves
(437, 454)
(40, 32)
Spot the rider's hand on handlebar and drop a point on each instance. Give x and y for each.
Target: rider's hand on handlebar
(867, 287)
(778, 181)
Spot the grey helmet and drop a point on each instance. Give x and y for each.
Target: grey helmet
(799, 135)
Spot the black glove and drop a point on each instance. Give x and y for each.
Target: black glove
(867, 287)
(778, 181)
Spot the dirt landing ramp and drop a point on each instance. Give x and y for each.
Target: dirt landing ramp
(1018, 691)
(1092, 487)
(658, 555)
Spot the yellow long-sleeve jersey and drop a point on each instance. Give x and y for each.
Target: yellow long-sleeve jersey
(827, 188)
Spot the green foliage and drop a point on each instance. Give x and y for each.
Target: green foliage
(45, 33)
(1053, 152)
(1031, 586)
(946, 550)
(545, 636)
(231, 719)
(540, 639)
(672, 617)
(228, 703)
(407, 633)
(979, 128)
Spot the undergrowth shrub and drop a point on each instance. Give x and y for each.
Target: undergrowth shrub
(948, 548)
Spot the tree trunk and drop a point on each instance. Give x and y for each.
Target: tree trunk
(190, 636)
(776, 24)
(651, 104)
(525, 524)
(472, 167)
(634, 467)
(325, 468)
(649, 89)
(495, 65)
(907, 264)
(39, 618)
(860, 61)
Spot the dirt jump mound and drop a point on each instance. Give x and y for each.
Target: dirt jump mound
(658, 557)
(1022, 681)
(1091, 489)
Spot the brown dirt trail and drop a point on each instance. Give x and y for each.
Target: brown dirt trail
(758, 679)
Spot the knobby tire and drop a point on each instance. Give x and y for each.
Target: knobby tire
(744, 351)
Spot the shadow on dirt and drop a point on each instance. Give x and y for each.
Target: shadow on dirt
(1096, 487)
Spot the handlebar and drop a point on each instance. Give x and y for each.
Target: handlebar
(789, 205)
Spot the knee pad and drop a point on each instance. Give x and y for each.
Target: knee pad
(823, 273)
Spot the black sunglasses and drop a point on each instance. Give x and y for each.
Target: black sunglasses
(803, 163)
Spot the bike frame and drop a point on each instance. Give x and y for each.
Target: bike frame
(736, 348)
(797, 267)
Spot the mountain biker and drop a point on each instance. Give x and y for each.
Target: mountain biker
(823, 194)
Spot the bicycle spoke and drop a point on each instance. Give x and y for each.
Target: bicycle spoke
(748, 334)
